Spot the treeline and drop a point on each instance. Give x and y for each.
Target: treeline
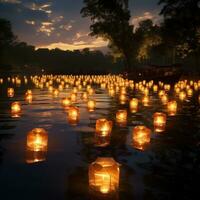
(18, 56)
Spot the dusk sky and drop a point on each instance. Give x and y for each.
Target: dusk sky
(58, 23)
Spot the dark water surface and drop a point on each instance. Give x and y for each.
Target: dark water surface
(168, 169)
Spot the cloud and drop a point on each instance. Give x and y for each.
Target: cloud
(46, 28)
(10, 1)
(146, 15)
(45, 7)
(95, 43)
(30, 22)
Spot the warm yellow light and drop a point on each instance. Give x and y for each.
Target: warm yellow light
(133, 104)
(159, 121)
(37, 140)
(141, 137)
(91, 104)
(10, 92)
(172, 108)
(121, 117)
(103, 127)
(145, 100)
(73, 115)
(104, 175)
(66, 102)
(182, 95)
(15, 109)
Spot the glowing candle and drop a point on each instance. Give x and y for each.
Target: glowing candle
(159, 121)
(103, 127)
(104, 175)
(37, 140)
(182, 95)
(141, 137)
(121, 117)
(66, 102)
(172, 108)
(133, 104)
(145, 100)
(91, 104)
(15, 109)
(10, 92)
(73, 115)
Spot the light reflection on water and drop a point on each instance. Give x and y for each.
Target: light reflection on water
(167, 168)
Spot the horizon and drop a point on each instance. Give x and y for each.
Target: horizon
(51, 24)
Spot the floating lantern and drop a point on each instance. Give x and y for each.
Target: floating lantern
(122, 98)
(103, 127)
(189, 92)
(37, 140)
(159, 121)
(141, 137)
(172, 108)
(29, 98)
(91, 104)
(85, 96)
(15, 109)
(182, 95)
(145, 100)
(73, 115)
(121, 117)
(133, 104)
(90, 91)
(55, 93)
(73, 97)
(10, 92)
(66, 102)
(164, 99)
(104, 176)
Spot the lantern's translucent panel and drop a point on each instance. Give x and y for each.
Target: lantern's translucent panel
(159, 120)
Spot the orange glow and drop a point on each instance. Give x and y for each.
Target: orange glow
(133, 104)
(121, 117)
(73, 115)
(37, 140)
(103, 127)
(141, 137)
(10, 92)
(159, 121)
(29, 98)
(15, 109)
(104, 175)
(91, 104)
(172, 108)
(66, 102)
(145, 100)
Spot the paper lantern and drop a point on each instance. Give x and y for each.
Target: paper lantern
(91, 104)
(73, 97)
(85, 96)
(15, 109)
(122, 98)
(133, 104)
(121, 117)
(145, 100)
(10, 92)
(66, 102)
(103, 127)
(159, 121)
(164, 99)
(104, 175)
(29, 97)
(172, 108)
(182, 95)
(141, 137)
(37, 140)
(73, 115)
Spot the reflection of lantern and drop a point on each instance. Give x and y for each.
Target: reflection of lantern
(91, 105)
(141, 137)
(10, 92)
(182, 95)
(66, 102)
(159, 121)
(121, 116)
(15, 109)
(73, 115)
(145, 100)
(104, 175)
(37, 140)
(103, 127)
(172, 108)
(133, 105)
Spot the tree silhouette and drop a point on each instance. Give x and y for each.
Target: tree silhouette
(110, 20)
